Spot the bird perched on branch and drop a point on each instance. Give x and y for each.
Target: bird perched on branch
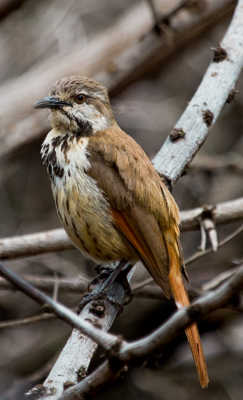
(109, 197)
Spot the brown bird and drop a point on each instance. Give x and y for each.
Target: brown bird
(108, 195)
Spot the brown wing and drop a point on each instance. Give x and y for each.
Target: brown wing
(142, 207)
(146, 214)
(142, 231)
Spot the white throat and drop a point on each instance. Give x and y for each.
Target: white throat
(89, 113)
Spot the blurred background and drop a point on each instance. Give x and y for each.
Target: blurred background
(36, 37)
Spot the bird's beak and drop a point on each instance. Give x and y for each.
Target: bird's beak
(51, 102)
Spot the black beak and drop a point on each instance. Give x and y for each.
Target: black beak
(51, 102)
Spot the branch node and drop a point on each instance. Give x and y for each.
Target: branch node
(176, 134)
(97, 308)
(220, 54)
(232, 95)
(208, 228)
(194, 312)
(39, 391)
(207, 117)
(208, 211)
(116, 346)
(94, 322)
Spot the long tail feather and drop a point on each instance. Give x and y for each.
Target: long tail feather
(181, 298)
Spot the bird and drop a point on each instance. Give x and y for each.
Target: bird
(110, 199)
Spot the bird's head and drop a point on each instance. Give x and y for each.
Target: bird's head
(78, 105)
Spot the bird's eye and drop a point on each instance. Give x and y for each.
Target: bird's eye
(80, 98)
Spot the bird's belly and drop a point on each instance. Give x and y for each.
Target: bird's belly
(86, 217)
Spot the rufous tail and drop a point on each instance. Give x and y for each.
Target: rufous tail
(181, 298)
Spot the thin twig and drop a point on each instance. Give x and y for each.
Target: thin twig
(226, 240)
(27, 321)
(233, 162)
(47, 283)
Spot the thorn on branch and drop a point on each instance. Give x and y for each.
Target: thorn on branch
(207, 117)
(232, 95)
(177, 134)
(81, 373)
(220, 54)
(98, 308)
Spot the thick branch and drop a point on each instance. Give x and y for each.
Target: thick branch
(57, 240)
(74, 359)
(204, 108)
(232, 162)
(157, 340)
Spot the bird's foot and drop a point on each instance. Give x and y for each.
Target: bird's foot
(101, 287)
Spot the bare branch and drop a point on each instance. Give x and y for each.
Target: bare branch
(35, 243)
(74, 359)
(94, 320)
(26, 321)
(129, 56)
(75, 285)
(150, 53)
(206, 105)
(232, 162)
(203, 253)
(219, 279)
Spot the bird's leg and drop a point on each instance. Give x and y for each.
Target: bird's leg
(103, 282)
